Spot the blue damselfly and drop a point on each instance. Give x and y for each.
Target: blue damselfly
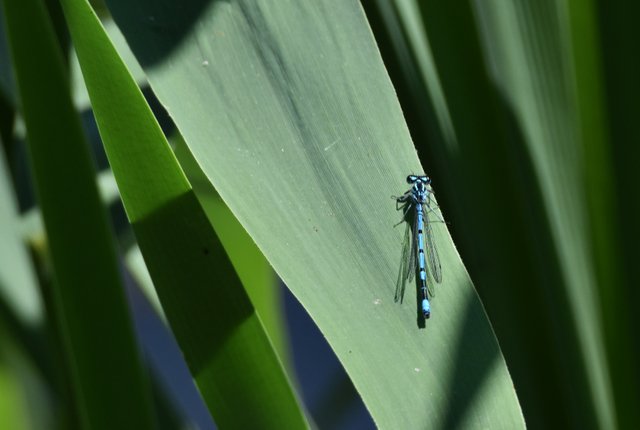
(416, 206)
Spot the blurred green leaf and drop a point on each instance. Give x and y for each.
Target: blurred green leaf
(618, 30)
(87, 299)
(25, 400)
(604, 200)
(13, 412)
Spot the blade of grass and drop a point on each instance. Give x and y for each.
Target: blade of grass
(618, 26)
(531, 50)
(221, 336)
(87, 295)
(289, 112)
(602, 201)
(78, 87)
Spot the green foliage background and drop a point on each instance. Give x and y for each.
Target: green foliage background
(285, 114)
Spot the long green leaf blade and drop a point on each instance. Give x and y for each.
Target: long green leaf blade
(604, 202)
(221, 336)
(542, 95)
(88, 296)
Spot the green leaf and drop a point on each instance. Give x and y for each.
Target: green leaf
(222, 338)
(25, 400)
(78, 87)
(253, 269)
(87, 297)
(605, 199)
(290, 113)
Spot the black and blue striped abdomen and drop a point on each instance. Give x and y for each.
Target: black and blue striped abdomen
(426, 308)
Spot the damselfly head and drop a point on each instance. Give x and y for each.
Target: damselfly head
(412, 179)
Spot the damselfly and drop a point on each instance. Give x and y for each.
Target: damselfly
(416, 205)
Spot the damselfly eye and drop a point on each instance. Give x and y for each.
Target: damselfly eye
(426, 180)
(411, 179)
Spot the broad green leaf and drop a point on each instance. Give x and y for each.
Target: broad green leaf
(222, 338)
(289, 112)
(87, 297)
